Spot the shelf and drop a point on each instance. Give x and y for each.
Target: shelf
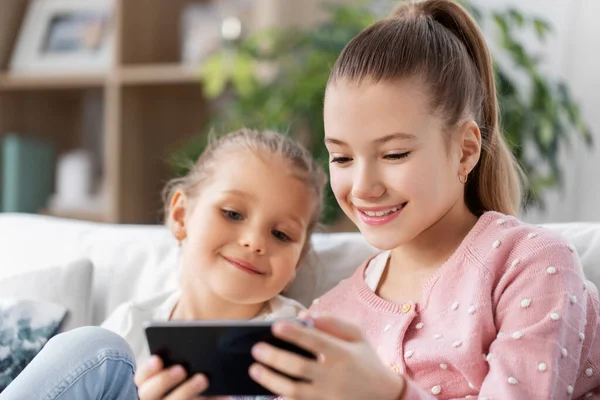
(156, 74)
(28, 82)
(82, 216)
(153, 74)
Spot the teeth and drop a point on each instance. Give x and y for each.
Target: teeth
(381, 213)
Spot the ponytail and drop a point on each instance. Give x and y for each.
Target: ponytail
(438, 41)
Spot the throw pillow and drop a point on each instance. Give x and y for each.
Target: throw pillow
(25, 327)
(69, 285)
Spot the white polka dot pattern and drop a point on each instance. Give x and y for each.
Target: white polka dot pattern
(581, 336)
(496, 244)
(564, 352)
(387, 327)
(443, 366)
(455, 306)
(542, 367)
(525, 303)
(551, 270)
(419, 325)
(472, 310)
(589, 372)
(555, 316)
(570, 389)
(437, 336)
(517, 335)
(512, 380)
(436, 390)
(409, 353)
(458, 343)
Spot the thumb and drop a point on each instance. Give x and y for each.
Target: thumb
(336, 327)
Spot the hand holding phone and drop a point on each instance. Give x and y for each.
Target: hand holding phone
(219, 350)
(155, 382)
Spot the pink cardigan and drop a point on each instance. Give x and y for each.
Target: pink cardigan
(508, 316)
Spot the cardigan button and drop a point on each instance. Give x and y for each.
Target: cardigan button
(406, 308)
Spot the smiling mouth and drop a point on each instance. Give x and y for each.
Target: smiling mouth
(380, 215)
(382, 212)
(243, 265)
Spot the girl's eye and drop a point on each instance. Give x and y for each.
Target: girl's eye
(396, 156)
(232, 215)
(340, 160)
(281, 236)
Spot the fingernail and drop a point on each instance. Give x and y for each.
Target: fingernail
(258, 350)
(199, 382)
(177, 371)
(303, 314)
(155, 361)
(254, 371)
(315, 315)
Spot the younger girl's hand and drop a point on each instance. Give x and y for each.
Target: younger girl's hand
(154, 381)
(346, 368)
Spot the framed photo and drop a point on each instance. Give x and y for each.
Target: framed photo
(200, 31)
(65, 36)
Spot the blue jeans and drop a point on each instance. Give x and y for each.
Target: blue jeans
(85, 363)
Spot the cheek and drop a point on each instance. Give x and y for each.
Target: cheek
(341, 182)
(419, 179)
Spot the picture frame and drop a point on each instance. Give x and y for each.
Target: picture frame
(200, 31)
(65, 36)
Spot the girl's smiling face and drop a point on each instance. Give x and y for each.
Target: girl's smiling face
(246, 228)
(394, 168)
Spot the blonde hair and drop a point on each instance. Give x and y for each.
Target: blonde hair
(439, 42)
(261, 143)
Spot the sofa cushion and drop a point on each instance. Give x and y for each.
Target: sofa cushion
(69, 285)
(25, 327)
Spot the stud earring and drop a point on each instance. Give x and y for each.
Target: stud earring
(463, 178)
(180, 235)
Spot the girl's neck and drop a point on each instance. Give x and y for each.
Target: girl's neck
(199, 304)
(429, 250)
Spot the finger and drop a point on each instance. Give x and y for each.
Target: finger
(190, 389)
(158, 385)
(280, 384)
(148, 369)
(336, 327)
(285, 361)
(312, 340)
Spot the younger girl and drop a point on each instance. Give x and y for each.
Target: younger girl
(243, 217)
(465, 300)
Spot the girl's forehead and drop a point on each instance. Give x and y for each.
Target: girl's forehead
(378, 110)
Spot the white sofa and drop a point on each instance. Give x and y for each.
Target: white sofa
(138, 261)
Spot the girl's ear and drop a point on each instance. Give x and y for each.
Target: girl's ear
(177, 215)
(469, 137)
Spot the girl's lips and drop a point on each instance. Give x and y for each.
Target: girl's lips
(243, 265)
(379, 220)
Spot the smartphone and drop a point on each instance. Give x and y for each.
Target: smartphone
(218, 349)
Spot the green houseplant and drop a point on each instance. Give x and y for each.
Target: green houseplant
(275, 79)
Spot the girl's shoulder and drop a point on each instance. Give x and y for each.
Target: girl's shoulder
(284, 307)
(502, 241)
(498, 230)
(132, 314)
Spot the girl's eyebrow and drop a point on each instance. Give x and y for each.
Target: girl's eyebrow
(385, 139)
(395, 136)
